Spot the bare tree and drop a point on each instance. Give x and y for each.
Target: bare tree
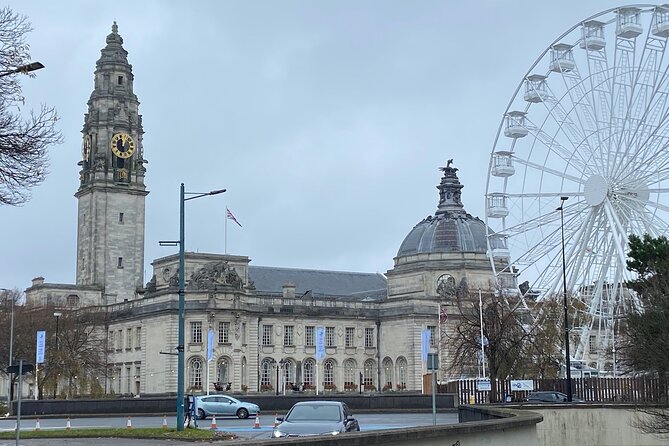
(24, 140)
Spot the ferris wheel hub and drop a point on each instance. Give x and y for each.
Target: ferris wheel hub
(596, 189)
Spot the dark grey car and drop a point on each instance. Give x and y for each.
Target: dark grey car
(316, 418)
(549, 396)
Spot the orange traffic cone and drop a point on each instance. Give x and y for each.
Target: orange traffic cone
(68, 425)
(128, 425)
(256, 425)
(213, 422)
(37, 427)
(164, 421)
(276, 422)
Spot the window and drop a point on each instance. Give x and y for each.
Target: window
(119, 80)
(401, 370)
(120, 217)
(309, 336)
(433, 335)
(288, 335)
(138, 338)
(196, 332)
(350, 336)
(119, 340)
(388, 374)
(128, 339)
(72, 300)
(110, 345)
(195, 373)
(308, 372)
(369, 337)
(368, 377)
(243, 333)
(329, 336)
(138, 371)
(119, 263)
(265, 374)
(128, 380)
(349, 375)
(267, 335)
(329, 374)
(592, 344)
(224, 332)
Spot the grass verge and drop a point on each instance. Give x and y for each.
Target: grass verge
(153, 433)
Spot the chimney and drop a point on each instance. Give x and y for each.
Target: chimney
(289, 290)
(38, 281)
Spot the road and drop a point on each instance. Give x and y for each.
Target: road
(244, 429)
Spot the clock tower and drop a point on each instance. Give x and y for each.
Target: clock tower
(111, 195)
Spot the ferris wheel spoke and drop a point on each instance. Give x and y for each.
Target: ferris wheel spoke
(620, 230)
(554, 146)
(547, 169)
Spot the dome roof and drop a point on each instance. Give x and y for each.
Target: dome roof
(451, 229)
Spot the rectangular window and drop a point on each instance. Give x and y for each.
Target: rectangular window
(119, 340)
(267, 335)
(592, 344)
(329, 336)
(128, 339)
(120, 262)
(309, 331)
(288, 335)
(196, 332)
(369, 337)
(120, 217)
(128, 380)
(224, 332)
(433, 335)
(138, 338)
(119, 80)
(110, 345)
(350, 337)
(243, 333)
(138, 372)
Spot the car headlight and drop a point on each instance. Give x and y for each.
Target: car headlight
(334, 433)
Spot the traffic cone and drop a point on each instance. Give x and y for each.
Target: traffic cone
(37, 427)
(128, 425)
(256, 425)
(213, 422)
(68, 425)
(164, 421)
(276, 422)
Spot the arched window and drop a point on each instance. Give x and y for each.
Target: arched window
(308, 372)
(368, 376)
(388, 374)
(349, 374)
(223, 371)
(288, 372)
(329, 374)
(401, 371)
(72, 300)
(266, 374)
(195, 373)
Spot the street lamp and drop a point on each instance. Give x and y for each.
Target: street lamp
(182, 265)
(57, 315)
(11, 347)
(566, 316)
(24, 69)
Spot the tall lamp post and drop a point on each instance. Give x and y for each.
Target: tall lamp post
(11, 347)
(182, 265)
(24, 69)
(57, 315)
(564, 297)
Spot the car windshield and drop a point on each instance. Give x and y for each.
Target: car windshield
(314, 412)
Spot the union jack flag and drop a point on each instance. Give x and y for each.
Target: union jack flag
(229, 215)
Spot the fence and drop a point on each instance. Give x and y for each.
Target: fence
(634, 390)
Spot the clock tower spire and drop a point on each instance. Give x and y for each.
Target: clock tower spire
(111, 195)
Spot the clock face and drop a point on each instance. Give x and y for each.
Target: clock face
(86, 148)
(122, 145)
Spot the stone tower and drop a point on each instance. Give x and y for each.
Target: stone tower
(111, 195)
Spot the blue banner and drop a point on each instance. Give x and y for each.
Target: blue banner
(210, 344)
(425, 343)
(41, 343)
(320, 343)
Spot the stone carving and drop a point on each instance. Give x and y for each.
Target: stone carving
(151, 284)
(463, 289)
(446, 287)
(100, 162)
(213, 275)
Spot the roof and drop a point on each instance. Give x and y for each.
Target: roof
(330, 283)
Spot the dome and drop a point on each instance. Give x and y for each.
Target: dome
(451, 229)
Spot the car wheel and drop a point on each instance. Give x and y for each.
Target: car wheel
(242, 413)
(201, 415)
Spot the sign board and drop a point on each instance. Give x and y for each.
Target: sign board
(320, 343)
(521, 384)
(483, 385)
(25, 369)
(425, 343)
(41, 342)
(432, 361)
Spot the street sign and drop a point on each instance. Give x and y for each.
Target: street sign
(483, 385)
(15, 369)
(432, 361)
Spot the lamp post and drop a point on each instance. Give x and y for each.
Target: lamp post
(25, 69)
(564, 296)
(182, 304)
(57, 315)
(11, 348)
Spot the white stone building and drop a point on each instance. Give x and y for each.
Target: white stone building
(264, 319)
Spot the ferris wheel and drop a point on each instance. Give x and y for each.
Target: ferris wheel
(580, 162)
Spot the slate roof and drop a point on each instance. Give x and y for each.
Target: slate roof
(329, 283)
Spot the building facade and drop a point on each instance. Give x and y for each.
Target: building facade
(254, 328)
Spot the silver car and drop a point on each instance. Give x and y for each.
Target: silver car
(223, 405)
(316, 418)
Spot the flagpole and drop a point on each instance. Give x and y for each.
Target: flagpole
(482, 347)
(226, 229)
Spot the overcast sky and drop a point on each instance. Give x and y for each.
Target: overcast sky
(325, 120)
